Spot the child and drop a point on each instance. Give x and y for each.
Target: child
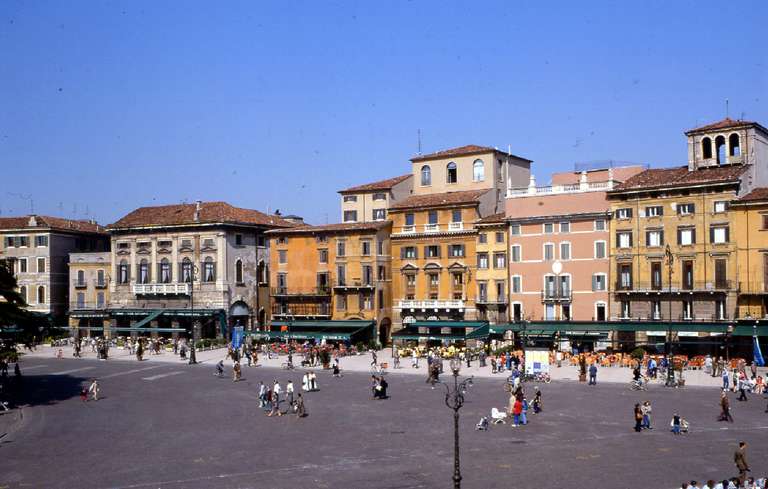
(524, 414)
(493, 365)
(482, 425)
(537, 402)
(675, 424)
(84, 394)
(336, 372)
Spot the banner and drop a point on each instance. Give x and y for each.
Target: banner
(237, 337)
(756, 353)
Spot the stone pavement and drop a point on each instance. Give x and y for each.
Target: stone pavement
(362, 363)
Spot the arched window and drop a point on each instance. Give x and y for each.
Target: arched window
(426, 175)
(165, 271)
(478, 171)
(41, 295)
(706, 148)
(239, 271)
(733, 145)
(122, 272)
(23, 293)
(451, 175)
(186, 270)
(720, 149)
(209, 270)
(143, 272)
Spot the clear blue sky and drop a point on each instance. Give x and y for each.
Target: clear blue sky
(108, 106)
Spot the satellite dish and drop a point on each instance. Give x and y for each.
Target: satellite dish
(557, 267)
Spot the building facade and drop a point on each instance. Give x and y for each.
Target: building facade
(370, 202)
(749, 215)
(89, 276)
(328, 277)
(38, 248)
(558, 246)
(492, 296)
(207, 261)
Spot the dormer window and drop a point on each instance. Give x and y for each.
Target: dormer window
(451, 175)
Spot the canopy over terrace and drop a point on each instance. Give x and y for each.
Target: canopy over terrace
(351, 330)
(443, 331)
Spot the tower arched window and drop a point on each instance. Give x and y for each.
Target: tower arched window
(720, 149)
(165, 271)
(734, 149)
(478, 171)
(239, 271)
(41, 295)
(706, 148)
(426, 175)
(451, 174)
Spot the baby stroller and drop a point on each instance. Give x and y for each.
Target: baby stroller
(482, 425)
(499, 417)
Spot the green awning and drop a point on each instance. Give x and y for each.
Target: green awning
(144, 330)
(306, 335)
(411, 333)
(480, 333)
(352, 323)
(448, 324)
(153, 315)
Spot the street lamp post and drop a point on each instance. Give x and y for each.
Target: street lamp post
(454, 399)
(670, 382)
(192, 355)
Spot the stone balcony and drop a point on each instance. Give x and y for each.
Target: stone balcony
(161, 289)
(432, 304)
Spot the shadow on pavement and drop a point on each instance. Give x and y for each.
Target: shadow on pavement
(33, 390)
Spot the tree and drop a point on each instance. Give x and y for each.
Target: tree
(16, 323)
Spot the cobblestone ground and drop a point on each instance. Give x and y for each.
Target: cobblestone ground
(164, 424)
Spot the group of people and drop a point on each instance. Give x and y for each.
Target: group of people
(271, 398)
(379, 386)
(92, 391)
(742, 481)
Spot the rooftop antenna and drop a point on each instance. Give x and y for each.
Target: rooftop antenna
(418, 132)
(726, 108)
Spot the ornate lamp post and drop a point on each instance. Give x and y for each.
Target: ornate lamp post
(454, 399)
(670, 382)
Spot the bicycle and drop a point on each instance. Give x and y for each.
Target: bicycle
(378, 370)
(287, 366)
(637, 385)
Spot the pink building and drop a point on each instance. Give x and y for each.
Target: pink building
(559, 245)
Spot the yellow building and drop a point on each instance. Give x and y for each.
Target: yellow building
(331, 282)
(492, 298)
(89, 292)
(749, 215)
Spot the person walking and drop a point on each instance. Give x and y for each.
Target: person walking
(517, 411)
(537, 406)
(236, 372)
(395, 357)
(676, 422)
(646, 410)
(94, 390)
(262, 394)
(740, 459)
(725, 407)
(742, 387)
(276, 390)
(374, 358)
(289, 392)
(592, 374)
(638, 418)
(725, 379)
(301, 410)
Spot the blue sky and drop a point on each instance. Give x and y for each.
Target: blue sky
(108, 106)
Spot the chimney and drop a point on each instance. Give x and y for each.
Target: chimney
(32, 221)
(198, 206)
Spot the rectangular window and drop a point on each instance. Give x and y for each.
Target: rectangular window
(379, 196)
(625, 213)
(456, 215)
(350, 198)
(238, 240)
(624, 239)
(720, 309)
(379, 214)
(598, 282)
(41, 241)
(482, 260)
(549, 228)
(409, 252)
(626, 313)
(100, 300)
(625, 276)
(516, 253)
(686, 209)
(721, 279)
(517, 284)
(41, 265)
(654, 211)
(457, 250)
(721, 206)
(549, 252)
(565, 227)
(499, 260)
(409, 219)
(282, 281)
(432, 251)
(341, 275)
(382, 272)
(655, 309)
(432, 217)
(322, 256)
(282, 256)
(654, 238)
(600, 225)
(482, 238)
(282, 240)
(350, 216)
(366, 248)
(22, 265)
(434, 280)
(600, 249)
(22, 241)
(719, 234)
(514, 229)
(687, 309)
(367, 275)
(656, 282)
(686, 236)
(499, 237)
(379, 247)
(765, 221)
(687, 274)
(565, 251)
(410, 280)
(341, 302)
(321, 238)
(380, 295)
(341, 248)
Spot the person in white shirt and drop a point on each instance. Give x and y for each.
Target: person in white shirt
(289, 392)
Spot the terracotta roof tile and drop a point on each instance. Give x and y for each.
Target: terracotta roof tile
(440, 200)
(760, 193)
(210, 212)
(462, 150)
(726, 123)
(493, 219)
(380, 185)
(58, 223)
(339, 227)
(681, 177)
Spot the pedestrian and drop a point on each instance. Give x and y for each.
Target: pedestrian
(753, 369)
(374, 358)
(494, 368)
(313, 382)
(742, 387)
(289, 392)
(395, 357)
(415, 358)
(537, 402)
(593, 374)
(638, 418)
(84, 393)
(301, 410)
(276, 390)
(524, 413)
(374, 386)
(675, 424)
(305, 382)
(262, 394)
(16, 370)
(94, 390)
(646, 409)
(468, 357)
(725, 379)
(740, 459)
(236, 372)
(725, 407)
(517, 411)
(482, 357)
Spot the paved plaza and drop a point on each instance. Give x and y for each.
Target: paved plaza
(164, 424)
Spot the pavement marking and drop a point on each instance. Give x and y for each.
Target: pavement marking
(36, 366)
(128, 372)
(72, 371)
(160, 376)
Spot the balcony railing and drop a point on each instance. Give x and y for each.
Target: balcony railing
(161, 289)
(753, 288)
(431, 228)
(432, 304)
(409, 229)
(99, 284)
(557, 294)
(79, 284)
(87, 306)
(678, 286)
(300, 310)
(560, 189)
(355, 284)
(455, 226)
(289, 291)
(484, 299)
